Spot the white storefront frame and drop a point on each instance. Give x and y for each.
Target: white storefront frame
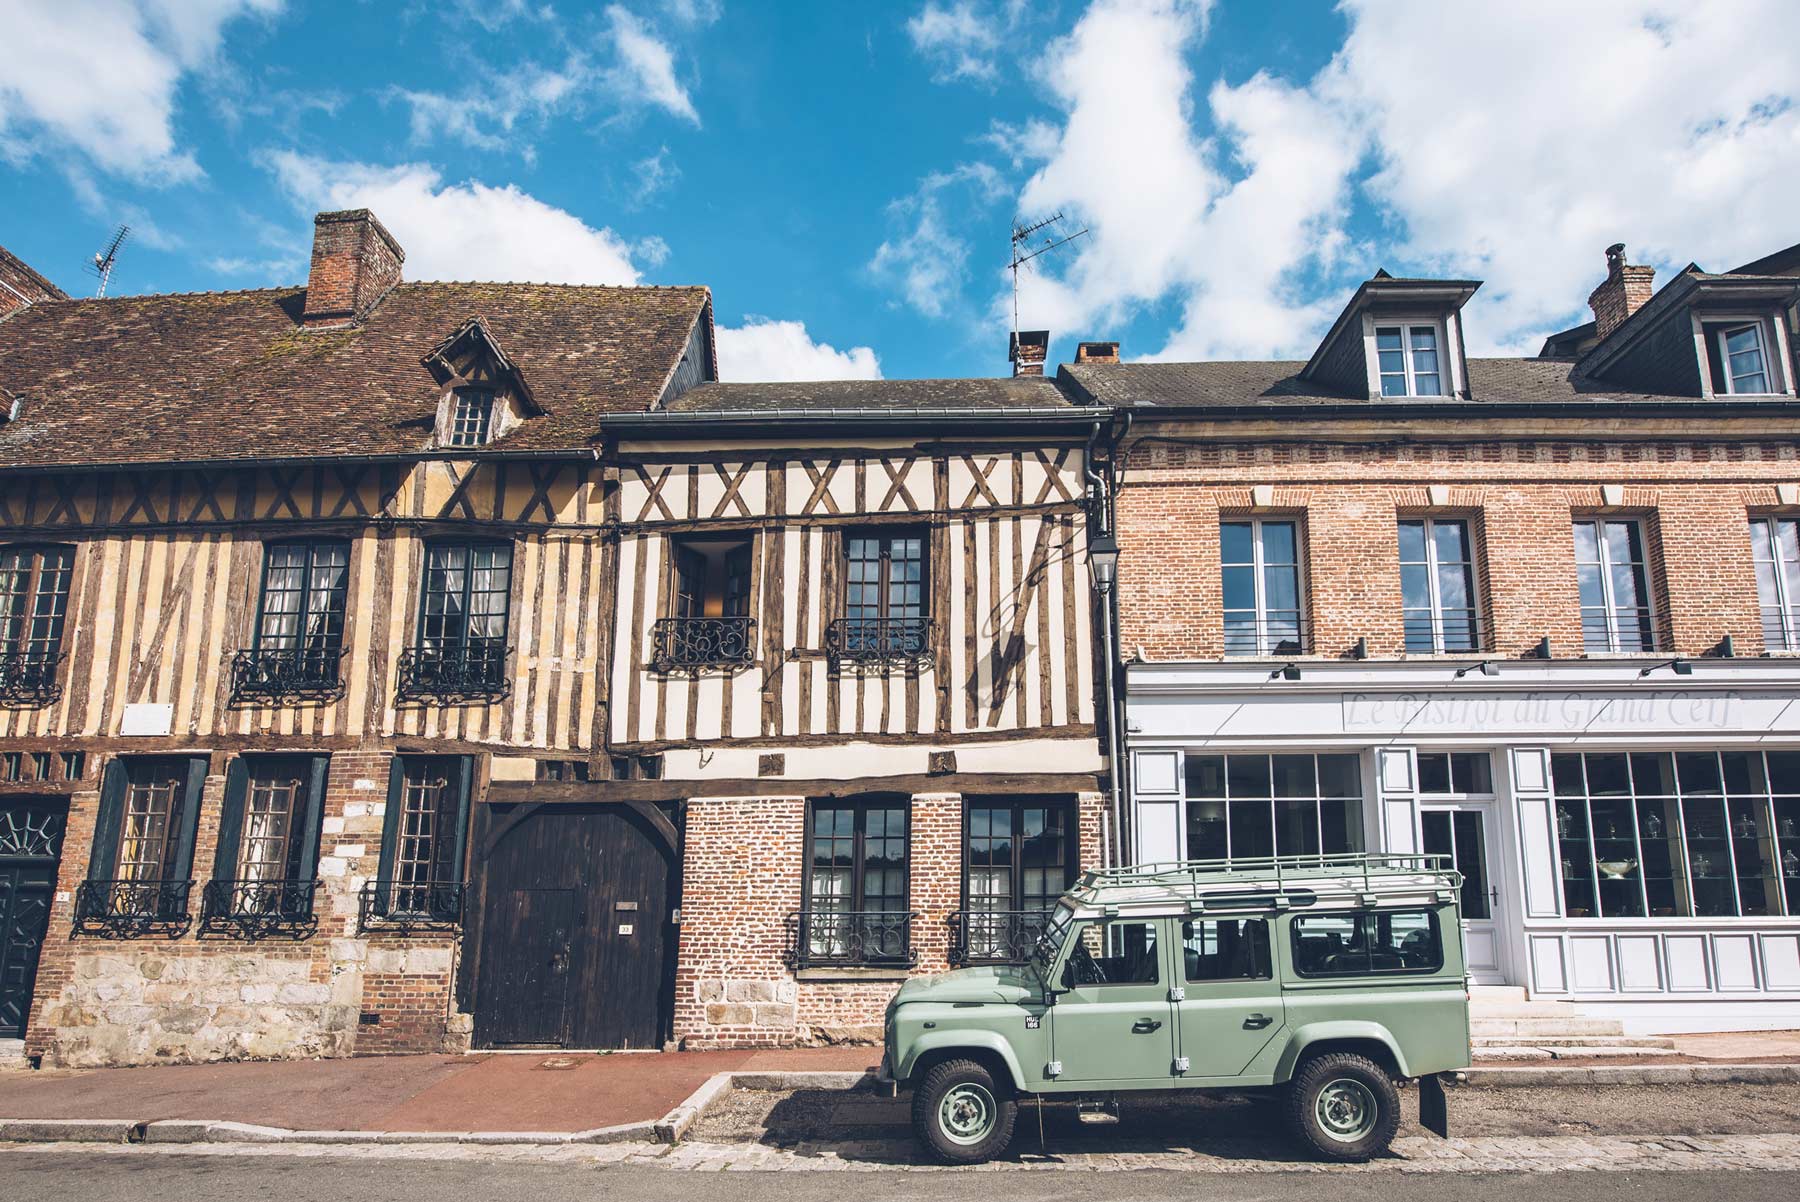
(1664, 974)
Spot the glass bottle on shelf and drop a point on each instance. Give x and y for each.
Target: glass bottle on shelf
(1744, 827)
(1702, 865)
(1652, 825)
(1790, 864)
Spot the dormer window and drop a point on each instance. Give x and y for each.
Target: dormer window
(1408, 358)
(471, 417)
(1740, 358)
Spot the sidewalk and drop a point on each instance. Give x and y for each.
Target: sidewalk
(539, 1091)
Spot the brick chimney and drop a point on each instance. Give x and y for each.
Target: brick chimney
(1028, 349)
(355, 261)
(1097, 352)
(1626, 289)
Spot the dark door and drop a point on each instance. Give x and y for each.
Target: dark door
(31, 832)
(596, 974)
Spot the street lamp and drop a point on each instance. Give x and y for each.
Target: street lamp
(1103, 560)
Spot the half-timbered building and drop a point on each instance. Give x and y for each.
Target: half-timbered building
(406, 666)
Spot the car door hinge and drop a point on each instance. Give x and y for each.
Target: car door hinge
(1181, 1064)
(1178, 994)
(1053, 1069)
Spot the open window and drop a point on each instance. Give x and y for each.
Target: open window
(708, 622)
(1741, 355)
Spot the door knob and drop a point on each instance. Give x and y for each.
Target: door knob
(1257, 1022)
(1144, 1026)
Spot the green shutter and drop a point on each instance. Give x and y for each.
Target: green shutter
(231, 819)
(461, 782)
(307, 862)
(390, 831)
(181, 868)
(103, 860)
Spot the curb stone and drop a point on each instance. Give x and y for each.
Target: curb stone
(104, 1131)
(1632, 1074)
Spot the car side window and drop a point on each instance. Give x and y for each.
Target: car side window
(1113, 953)
(1369, 944)
(1226, 949)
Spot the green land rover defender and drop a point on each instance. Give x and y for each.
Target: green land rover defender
(1327, 978)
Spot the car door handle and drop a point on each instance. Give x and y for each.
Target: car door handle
(1144, 1026)
(1257, 1022)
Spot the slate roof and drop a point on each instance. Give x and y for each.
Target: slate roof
(997, 393)
(1276, 385)
(231, 375)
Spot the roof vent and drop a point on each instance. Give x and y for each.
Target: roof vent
(355, 262)
(1028, 350)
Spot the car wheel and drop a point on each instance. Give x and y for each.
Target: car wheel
(1344, 1107)
(961, 1115)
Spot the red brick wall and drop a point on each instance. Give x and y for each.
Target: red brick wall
(1522, 496)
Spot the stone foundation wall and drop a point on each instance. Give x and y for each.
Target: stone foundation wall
(336, 992)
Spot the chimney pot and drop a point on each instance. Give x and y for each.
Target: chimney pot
(1028, 350)
(1097, 352)
(1626, 287)
(355, 262)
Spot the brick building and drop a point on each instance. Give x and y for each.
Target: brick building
(390, 666)
(1538, 614)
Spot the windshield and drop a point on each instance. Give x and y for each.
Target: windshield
(1050, 939)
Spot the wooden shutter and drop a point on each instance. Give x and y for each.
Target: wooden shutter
(103, 859)
(453, 844)
(231, 819)
(303, 847)
(390, 831)
(181, 866)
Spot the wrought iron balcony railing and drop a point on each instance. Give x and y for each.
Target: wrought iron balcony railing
(473, 673)
(1444, 633)
(131, 909)
(258, 909)
(287, 674)
(995, 936)
(880, 641)
(29, 678)
(852, 938)
(689, 643)
(1279, 632)
(406, 906)
(1624, 630)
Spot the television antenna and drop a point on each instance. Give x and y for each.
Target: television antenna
(1026, 246)
(106, 260)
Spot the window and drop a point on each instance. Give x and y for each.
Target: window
(1690, 833)
(276, 811)
(856, 884)
(299, 637)
(1457, 836)
(143, 850)
(1226, 949)
(268, 847)
(1367, 944)
(1017, 863)
(1408, 358)
(423, 839)
(1437, 586)
(1616, 615)
(471, 416)
(1259, 564)
(150, 838)
(1775, 544)
(885, 614)
(1253, 806)
(462, 620)
(34, 600)
(1740, 362)
(1113, 953)
(709, 621)
(1459, 772)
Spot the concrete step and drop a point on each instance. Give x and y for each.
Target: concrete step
(1496, 993)
(1584, 1041)
(1524, 1030)
(1529, 1052)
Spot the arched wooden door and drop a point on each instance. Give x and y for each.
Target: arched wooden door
(576, 947)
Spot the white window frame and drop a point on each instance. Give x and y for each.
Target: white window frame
(1788, 605)
(1265, 643)
(1610, 603)
(1437, 601)
(1449, 350)
(1771, 333)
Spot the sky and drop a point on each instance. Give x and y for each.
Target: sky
(845, 177)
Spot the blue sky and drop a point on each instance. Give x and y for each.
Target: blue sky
(844, 176)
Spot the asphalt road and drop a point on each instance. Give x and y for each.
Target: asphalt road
(91, 1177)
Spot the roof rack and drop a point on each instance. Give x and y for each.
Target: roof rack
(1278, 882)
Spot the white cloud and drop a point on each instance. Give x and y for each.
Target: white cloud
(100, 77)
(647, 66)
(487, 114)
(465, 231)
(762, 349)
(654, 174)
(926, 261)
(959, 40)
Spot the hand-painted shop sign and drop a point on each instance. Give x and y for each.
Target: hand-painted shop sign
(1567, 713)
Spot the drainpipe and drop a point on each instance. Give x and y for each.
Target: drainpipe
(1114, 831)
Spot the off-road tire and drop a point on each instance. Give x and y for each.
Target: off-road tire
(1356, 1082)
(975, 1086)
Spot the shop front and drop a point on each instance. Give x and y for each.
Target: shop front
(1628, 830)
